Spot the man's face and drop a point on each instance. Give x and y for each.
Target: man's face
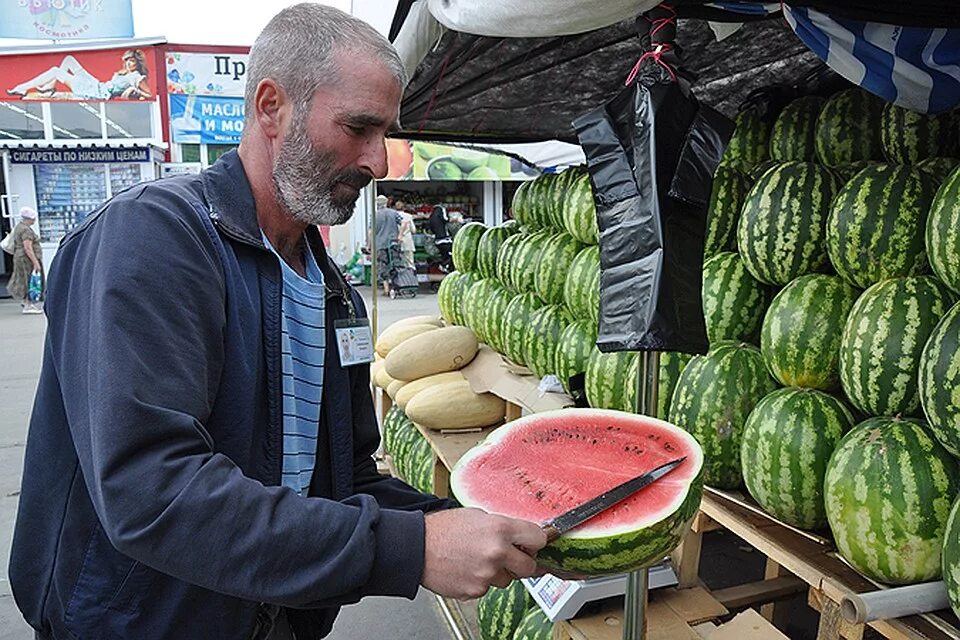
(335, 145)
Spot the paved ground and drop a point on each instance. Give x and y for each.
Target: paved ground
(21, 342)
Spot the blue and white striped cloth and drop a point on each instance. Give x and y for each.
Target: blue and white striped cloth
(913, 67)
(303, 344)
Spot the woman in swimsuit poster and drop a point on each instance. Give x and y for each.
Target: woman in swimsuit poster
(128, 83)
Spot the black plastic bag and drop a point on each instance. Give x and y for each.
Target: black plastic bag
(651, 153)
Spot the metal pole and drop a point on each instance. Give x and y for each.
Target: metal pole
(372, 206)
(635, 599)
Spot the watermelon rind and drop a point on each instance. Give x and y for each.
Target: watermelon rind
(950, 561)
(794, 132)
(942, 236)
(672, 364)
(939, 380)
(713, 398)
(580, 211)
(489, 247)
(877, 225)
(781, 233)
(607, 377)
(574, 347)
(910, 136)
(553, 265)
(749, 143)
(727, 193)
(465, 243)
(882, 342)
(848, 128)
(500, 611)
(534, 626)
(802, 329)
(734, 302)
(593, 549)
(889, 488)
(787, 442)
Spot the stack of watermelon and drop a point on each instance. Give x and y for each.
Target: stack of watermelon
(833, 245)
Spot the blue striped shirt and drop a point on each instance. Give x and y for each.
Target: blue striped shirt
(303, 341)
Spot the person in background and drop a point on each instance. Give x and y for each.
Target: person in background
(455, 223)
(27, 260)
(407, 227)
(387, 231)
(199, 463)
(438, 226)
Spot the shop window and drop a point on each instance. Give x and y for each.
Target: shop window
(129, 119)
(20, 121)
(189, 153)
(66, 193)
(123, 176)
(75, 120)
(214, 151)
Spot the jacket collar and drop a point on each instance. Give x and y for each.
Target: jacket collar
(232, 209)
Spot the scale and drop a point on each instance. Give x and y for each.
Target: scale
(562, 599)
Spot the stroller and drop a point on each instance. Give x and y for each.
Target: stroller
(403, 279)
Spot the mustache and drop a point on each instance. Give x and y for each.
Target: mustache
(354, 178)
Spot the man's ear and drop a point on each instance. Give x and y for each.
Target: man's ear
(272, 107)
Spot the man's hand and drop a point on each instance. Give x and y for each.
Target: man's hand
(467, 550)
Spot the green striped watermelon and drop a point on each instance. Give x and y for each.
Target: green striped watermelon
(845, 172)
(939, 380)
(489, 247)
(787, 442)
(848, 128)
(541, 194)
(505, 259)
(943, 232)
(607, 375)
(937, 169)
(523, 274)
(475, 304)
(951, 557)
(445, 296)
(909, 136)
(750, 141)
(542, 337)
(492, 318)
(515, 323)
(522, 204)
(889, 488)
(882, 342)
(672, 364)
(391, 423)
(500, 611)
(733, 301)
(793, 135)
(714, 395)
(534, 626)
(580, 212)
(800, 337)
(581, 290)
(561, 192)
(876, 225)
(553, 265)
(727, 194)
(541, 465)
(781, 229)
(465, 244)
(574, 347)
(757, 172)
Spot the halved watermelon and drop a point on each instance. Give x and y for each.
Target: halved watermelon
(542, 465)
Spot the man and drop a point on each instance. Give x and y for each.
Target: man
(387, 229)
(172, 485)
(407, 227)
(438, 226)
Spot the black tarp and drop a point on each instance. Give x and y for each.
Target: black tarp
(496, 90)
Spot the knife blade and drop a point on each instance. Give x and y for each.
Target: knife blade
(583, 512)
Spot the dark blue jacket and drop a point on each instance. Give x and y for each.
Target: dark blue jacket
(151, 505)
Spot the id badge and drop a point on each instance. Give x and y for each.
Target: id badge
(354, 341)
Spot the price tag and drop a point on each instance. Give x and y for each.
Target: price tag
(354, 341)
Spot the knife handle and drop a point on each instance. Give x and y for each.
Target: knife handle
(551, 531)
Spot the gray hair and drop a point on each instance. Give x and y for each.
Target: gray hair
(297, 48)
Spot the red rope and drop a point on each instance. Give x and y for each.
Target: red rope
(660, 49)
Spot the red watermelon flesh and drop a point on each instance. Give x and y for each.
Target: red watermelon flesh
(540, 466)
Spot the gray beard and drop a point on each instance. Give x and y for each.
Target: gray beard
(304, 177)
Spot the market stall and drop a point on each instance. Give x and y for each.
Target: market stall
(780, 283)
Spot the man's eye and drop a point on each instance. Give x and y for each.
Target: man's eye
(357, 130)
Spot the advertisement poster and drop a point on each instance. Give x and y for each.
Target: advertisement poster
(207, 74)
(206, 120)
(66, 19)
(418, 160)
(87, 76)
